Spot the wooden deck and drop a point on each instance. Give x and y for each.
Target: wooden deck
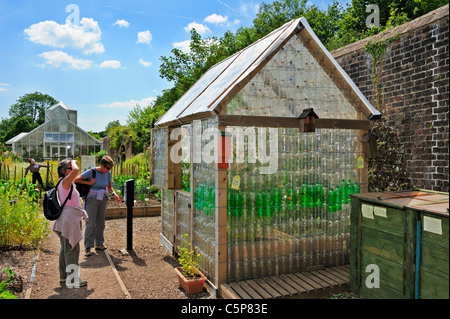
(312, 284)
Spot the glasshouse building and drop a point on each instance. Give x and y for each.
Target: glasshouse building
(257, 159)
(59, 137)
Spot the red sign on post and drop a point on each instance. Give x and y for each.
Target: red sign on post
(224, 151)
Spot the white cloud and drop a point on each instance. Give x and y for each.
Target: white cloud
(4, 87)
(233, 23)
(144, 37)
(183, 46)
(58, 58)
(110, 64)
(145, 63)
(86, 36)
(216, 19)
(200, 28)
(130, 104)
(122, 23)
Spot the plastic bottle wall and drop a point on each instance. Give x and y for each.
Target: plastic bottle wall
(297, 217)
(204, 198)
(290, 82)
(167, 218)
(159, 150)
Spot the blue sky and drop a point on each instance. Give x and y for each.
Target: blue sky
(104, 60)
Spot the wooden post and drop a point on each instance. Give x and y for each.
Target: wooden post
(362, 172)
(173, 171)
(221, 250)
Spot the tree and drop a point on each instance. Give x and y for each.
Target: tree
(142, 120)
(32, 105)
(352, 27)
(26, 114)
(112, 124)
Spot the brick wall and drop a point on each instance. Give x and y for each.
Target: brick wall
(415, 85)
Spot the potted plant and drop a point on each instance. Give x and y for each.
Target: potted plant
(189, 276)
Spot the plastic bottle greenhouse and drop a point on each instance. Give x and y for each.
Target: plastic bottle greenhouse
(257, 160)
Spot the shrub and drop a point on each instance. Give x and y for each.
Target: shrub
(22, 225)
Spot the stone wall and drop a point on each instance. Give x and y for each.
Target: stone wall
(124, 152)
(414, 86)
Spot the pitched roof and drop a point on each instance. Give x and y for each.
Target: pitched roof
(16, 138)
(224, 80)
(63, 105)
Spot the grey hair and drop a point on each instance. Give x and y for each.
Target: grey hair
(62, 167)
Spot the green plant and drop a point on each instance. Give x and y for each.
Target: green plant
(190, 262)
(142, 187)
(378, 51)
(22, 224)
(99, 155)
(5, 284)
(186, 176)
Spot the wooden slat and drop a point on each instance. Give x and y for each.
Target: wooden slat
(319, 281)
(285, 286)
(324, 278)
(311, 284)
(241, 292)
(268, 288)
(260, 290)
(228, 293)
(344, 271)
(276, 286)
(333, 276)
(249, 290)
(339, 274)
(304, 283)
(300, 282)
(310, 281)
(292, 283)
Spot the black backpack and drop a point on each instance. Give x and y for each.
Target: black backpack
(52, 206)
(84, 189)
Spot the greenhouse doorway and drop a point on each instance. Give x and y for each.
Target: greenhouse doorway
(58, 151)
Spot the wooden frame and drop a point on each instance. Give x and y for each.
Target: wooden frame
(290, 122)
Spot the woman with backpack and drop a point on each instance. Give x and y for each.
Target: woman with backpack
(96, 202)
(68, 226)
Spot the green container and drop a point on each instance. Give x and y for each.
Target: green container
(434, 265)
(392, 255)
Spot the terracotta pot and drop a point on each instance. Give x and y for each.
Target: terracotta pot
(191, 286)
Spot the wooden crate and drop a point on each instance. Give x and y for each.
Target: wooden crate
(386, 240)
(434, 261)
